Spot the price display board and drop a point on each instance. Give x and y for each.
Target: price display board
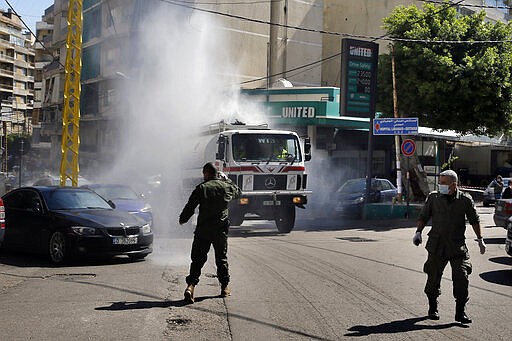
(358, 77)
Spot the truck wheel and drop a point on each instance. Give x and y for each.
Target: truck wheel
(285, 219)
(236, 218)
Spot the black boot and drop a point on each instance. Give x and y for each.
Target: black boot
(433, 314)
(460, 313)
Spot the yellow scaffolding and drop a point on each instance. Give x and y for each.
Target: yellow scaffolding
(71, 113)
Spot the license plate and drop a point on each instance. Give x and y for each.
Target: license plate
(271, 203)
(124, 240)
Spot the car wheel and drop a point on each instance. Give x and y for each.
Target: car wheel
(236, 218)
(57, 247)
(285, 219)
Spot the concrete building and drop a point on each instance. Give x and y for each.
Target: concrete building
(16, 78)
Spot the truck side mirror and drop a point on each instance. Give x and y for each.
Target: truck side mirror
(307, 149)
(221, 148)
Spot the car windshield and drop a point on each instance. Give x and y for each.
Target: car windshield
(115, 192)
(355, 186)
(72, 199)
(266, 147)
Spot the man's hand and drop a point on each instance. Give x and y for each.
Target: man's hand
(481, 244)
(222, 176)
(416, 240)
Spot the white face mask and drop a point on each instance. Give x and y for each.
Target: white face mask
(444, 189)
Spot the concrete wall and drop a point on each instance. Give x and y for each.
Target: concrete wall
(249, 40)
(357, 17)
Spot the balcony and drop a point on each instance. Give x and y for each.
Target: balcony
(21, 92)
(23, 78)
(6, 73)
(6, 87)
(6, 58)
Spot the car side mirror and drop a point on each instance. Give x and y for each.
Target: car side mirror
(111, 203)
(307, 149)
(221, 148)
(36, 207)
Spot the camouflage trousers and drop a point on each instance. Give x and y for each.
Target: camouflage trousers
(461, 269)
(200, 247)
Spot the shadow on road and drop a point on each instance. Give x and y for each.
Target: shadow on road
(501, 260)
(33, 260)
(503, 277)
(498, 241)
(400, 326)
(124, 305)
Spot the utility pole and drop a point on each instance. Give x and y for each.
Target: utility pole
(397, 137)
(276, 66)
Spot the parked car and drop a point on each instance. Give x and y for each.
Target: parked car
(352, 194)
(63, 222)
(2, 221)
(502, 212)
(488, 196)
(125, 199)
(508, 240)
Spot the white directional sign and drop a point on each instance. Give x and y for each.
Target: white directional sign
(395, 126)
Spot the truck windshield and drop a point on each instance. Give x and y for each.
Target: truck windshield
(266, 147)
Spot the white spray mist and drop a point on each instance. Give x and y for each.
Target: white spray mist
(183, 82)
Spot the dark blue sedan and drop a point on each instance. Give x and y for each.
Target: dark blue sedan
(352, 195)
(125, 199)
(63, 222)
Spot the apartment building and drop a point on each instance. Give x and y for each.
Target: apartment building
(16, 75)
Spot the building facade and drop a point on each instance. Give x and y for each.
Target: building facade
(16, 79)
(261, 53)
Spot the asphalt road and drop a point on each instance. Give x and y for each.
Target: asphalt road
(327, 280)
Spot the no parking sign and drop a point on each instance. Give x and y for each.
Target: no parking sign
(408, 147)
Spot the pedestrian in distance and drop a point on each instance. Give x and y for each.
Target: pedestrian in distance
(497, 184)
(507, 193)
(448, 208)
(212, 196)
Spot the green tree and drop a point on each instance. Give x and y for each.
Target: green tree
(466, 87)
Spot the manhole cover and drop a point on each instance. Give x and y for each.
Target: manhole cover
(178, 321)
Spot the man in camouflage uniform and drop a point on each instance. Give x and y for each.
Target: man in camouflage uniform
(448, 209)
(212, 196)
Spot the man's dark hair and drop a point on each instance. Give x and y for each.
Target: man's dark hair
(210, 169)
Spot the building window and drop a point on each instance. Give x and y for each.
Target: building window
(92, 24)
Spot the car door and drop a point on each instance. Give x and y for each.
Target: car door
(24, 220)
(387, 192)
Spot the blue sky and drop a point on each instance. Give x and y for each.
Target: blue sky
(29, 10)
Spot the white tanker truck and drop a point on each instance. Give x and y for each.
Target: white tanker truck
(267, 164)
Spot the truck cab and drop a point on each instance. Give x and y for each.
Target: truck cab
(269, 167)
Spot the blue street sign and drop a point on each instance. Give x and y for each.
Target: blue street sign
(395, 126)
